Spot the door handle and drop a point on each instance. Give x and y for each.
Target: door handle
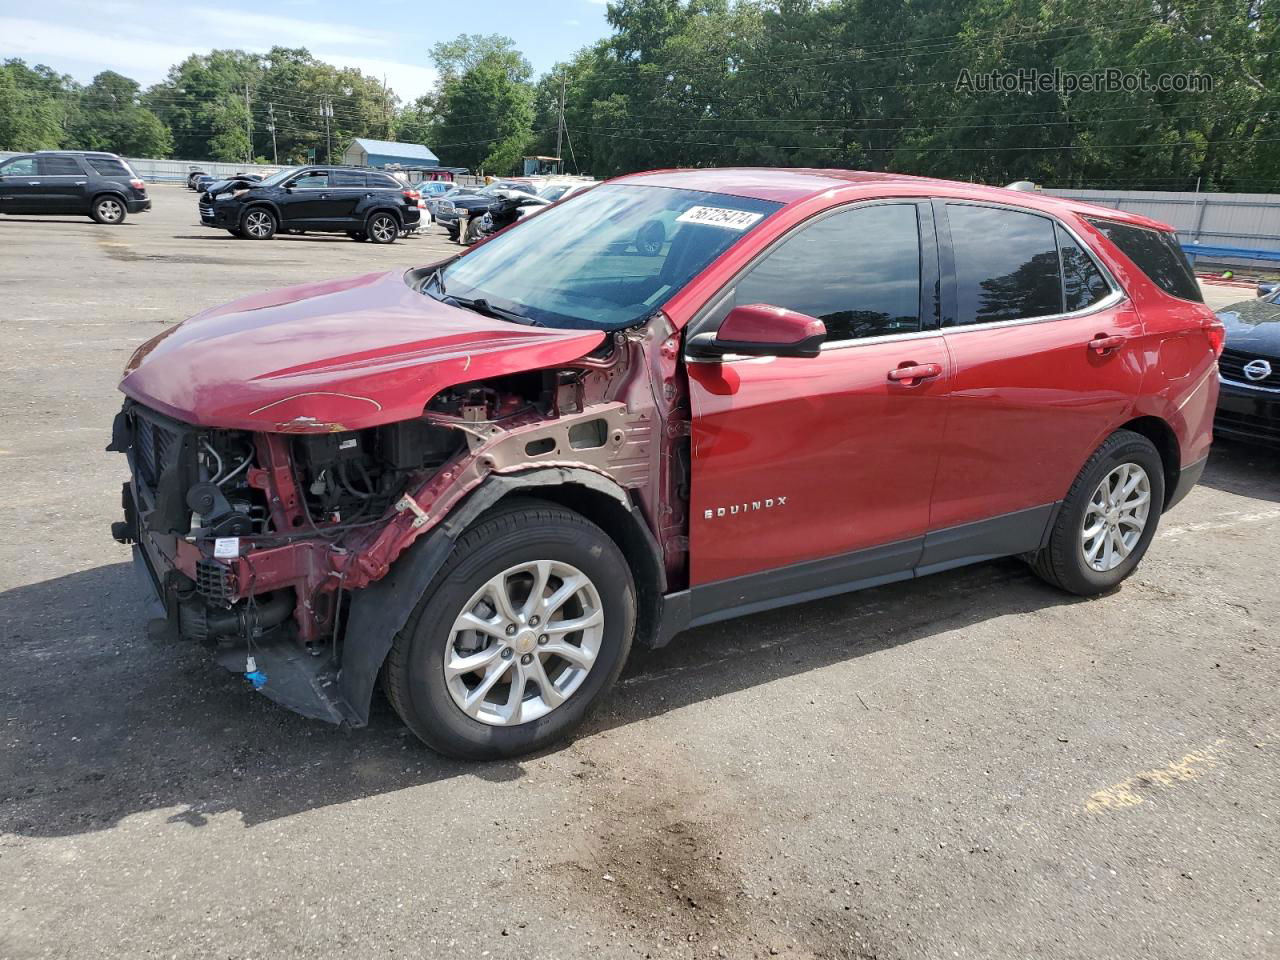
(81, 183)
(324, 196)
(1103, 344)
(912, 373)
(33, 183)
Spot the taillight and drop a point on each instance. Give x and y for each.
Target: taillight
(137, 184)
(411, 196)
(1217, 334)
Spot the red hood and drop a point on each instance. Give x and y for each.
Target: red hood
(340, 355)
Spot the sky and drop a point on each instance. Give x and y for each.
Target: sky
(143, 38)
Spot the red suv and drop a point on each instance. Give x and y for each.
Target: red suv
(680, 397)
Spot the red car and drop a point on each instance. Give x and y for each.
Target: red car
(681, 397)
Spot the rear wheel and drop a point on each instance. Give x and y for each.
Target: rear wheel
(383, 228)
(108, 210)
(1108, 518)
(258, 223)
(522, 631)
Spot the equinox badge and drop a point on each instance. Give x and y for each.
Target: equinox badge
(750, 507)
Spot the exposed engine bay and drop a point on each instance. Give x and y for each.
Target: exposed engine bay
(256, 542)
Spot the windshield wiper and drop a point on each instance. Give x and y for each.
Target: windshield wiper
(482, 306)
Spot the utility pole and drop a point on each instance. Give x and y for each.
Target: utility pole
(248, 122)
(327, 109)
(560, 124)
(386, 110)
(271, 112)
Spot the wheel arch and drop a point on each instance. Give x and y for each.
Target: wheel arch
(271, 206)
(107, 192)
(383, 208)
(381, 610)
(1163, 438)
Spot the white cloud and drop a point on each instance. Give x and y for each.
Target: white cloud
(242, 26)
(146, 60)
(408, 80)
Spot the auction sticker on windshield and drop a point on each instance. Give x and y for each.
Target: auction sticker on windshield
(720, 217)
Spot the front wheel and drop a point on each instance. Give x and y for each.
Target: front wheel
(383, 228)
(108, 210)
(522, 631)
(1108, 518)
(258, 224)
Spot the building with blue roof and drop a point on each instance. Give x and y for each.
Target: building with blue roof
(364, 152)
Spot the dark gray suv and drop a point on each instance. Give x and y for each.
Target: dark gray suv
(71, 182)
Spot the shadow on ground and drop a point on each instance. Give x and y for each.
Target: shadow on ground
(100, 723)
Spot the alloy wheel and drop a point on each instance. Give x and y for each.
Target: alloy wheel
(383, 229)
(1116, 517)
(258, 224)
(110, 210)
(524, 643)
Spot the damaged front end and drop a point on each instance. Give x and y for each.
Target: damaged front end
(264, 543)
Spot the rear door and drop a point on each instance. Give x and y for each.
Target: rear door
(823, 465)
(1047, 358)
(348, 189)
(64, 185)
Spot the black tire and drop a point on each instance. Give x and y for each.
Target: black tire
(383, 227)
(109, 210)
(358, 235)
(258, 223)
(1063, 563)
(452, 232)
(518, 531)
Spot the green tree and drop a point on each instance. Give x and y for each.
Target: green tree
(35, 105)
(110, 117)
(485, 103)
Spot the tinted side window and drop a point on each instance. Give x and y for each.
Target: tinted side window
(1082, 282)
(383, 180)
(19, 167)
(108, 167)
(1156, 254)
(858, 271)
(348, 178)
(1006, 264)
(317, 179)
(59, 167)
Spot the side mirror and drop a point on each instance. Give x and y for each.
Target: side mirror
(761, 330)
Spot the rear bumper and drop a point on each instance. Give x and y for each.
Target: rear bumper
(1188, 477)
(138, 206)
(1245, 413)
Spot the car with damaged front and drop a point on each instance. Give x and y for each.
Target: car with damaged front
(479, 482)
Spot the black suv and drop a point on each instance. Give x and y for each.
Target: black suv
(361, 203)
(99, 185)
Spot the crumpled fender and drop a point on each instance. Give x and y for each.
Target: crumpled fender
(381, 610)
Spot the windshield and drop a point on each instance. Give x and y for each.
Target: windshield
(608, 260)
(278, 178)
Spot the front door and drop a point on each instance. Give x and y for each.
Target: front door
(19, 185)
(822, 467)
(307, 200)
(1046, 356)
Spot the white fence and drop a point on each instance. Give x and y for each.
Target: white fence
(175, 171)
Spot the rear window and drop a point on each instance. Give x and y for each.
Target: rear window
(348, 178)
(108, 166)
(383, 180)
(1156, 254)
(58, 167)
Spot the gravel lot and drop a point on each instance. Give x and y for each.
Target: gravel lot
(971, 765)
